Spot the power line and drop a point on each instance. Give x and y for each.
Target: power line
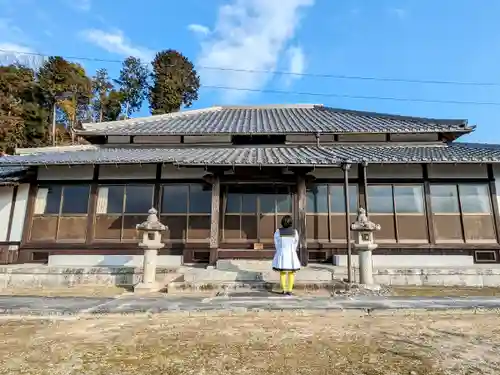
(280, 72)
(331, 95)
(316, 94)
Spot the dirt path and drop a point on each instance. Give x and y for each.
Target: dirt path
(254, 343)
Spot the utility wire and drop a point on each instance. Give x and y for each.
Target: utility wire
(331, 95)
(279, 72)
(316, 94)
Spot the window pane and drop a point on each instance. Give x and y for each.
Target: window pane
(174, 199)
(283, 203)
(200, 199)
(115, 199)
(138, 199)
(409, 199)
(233, 203)
(249, 203)
(337, 202)
(267, 203)
(317, 199)
(444, 199)
(75, 199)
(53, 200)
(474, 199)
(380, 200)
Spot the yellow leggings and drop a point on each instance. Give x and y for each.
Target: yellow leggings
(287, 286)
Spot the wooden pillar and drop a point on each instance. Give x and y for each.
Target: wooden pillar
(494, 201)
(345, 168)
(363, 186)
(301, 218)
(91, 213)
(428, 208)
(214, 221)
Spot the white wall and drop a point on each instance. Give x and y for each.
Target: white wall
(171, 172)
(334, 172)
(16, 232)
(6, 196)
(394, 171)
(111, 260)
(5, 207)
(127, 171)
(458, 171)
(411, 261)
(77, 172)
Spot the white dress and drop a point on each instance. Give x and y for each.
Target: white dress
(286, 243)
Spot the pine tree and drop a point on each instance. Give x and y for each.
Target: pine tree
(175, 83)
(133, 84)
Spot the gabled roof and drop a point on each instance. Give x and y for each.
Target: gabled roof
(262, 156)
(278, 119)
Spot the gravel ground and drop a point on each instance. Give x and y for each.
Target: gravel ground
(254, 343)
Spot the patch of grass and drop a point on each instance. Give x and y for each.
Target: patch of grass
(441, 291)
(254, 343)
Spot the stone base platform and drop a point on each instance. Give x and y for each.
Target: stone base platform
(42, 276)
(242, 274)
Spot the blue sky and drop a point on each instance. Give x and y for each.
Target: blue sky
(411, 39)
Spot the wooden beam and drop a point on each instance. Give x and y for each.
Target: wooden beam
(301, 219)
(214, 221)
(91, 215)
(428, 208)
(345, 168)
(362, 186)
(494, 201)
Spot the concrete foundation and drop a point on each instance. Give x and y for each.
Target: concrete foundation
(412, 261)
(38, 276)
(111, 261)
(241, 273)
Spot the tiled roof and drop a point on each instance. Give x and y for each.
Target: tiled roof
(11, 174)
(284, 119)
(285, 156)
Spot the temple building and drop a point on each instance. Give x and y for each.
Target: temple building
(223, 177)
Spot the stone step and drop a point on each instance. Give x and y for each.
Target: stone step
(217, 275)
(239, 286)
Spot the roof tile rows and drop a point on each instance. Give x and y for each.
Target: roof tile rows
(279, 156)
(291, 119)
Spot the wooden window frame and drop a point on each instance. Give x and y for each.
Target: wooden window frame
(123, 214)
(187, 214)
(257, 214)
(461, 214)
(329, 213)
(59, 214)
(395, 214)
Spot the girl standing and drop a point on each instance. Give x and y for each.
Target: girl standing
(286, 260)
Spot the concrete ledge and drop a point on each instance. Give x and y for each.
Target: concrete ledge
(44, 276)
(468, 276)
(218, 286)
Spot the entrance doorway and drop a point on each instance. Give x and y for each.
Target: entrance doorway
(253, 212)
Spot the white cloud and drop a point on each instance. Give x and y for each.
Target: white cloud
(82, 5)
(296, 64)
(399, 12)
(14, 45)
(249, 35)
(199, 29)
(116, 42)
(12, 53)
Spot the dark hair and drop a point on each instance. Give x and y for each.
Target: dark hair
(287, 221)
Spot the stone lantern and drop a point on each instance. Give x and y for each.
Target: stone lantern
(365, 244)
(151, 242)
